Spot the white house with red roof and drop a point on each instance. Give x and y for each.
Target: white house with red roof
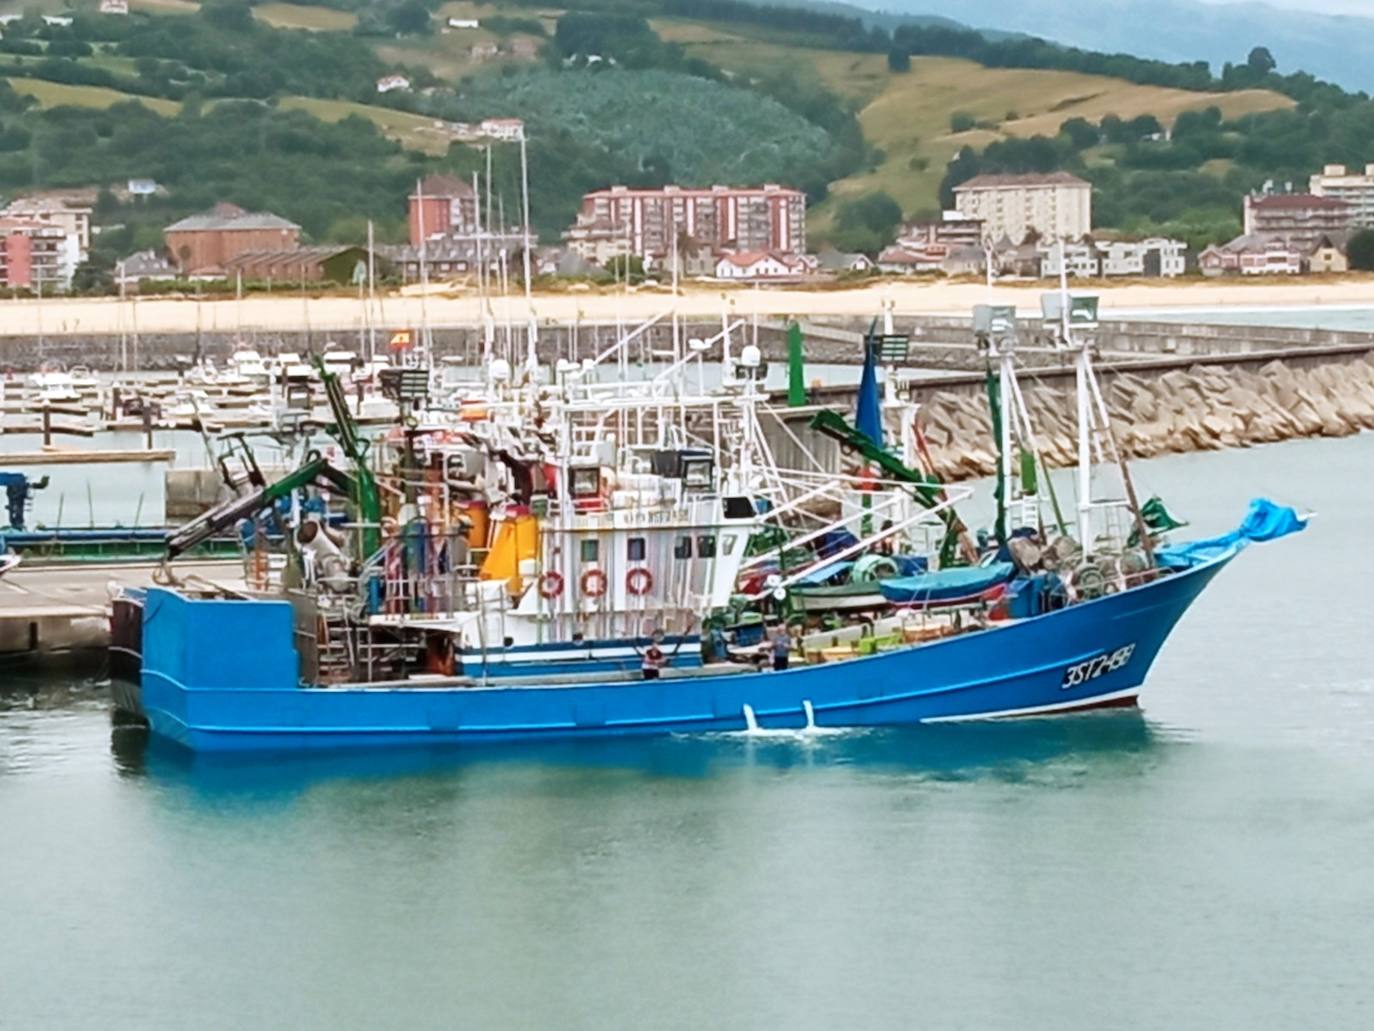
(751, 266)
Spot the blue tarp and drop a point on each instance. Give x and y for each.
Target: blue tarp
(947, 584)
(819, 576)
(1265, 521)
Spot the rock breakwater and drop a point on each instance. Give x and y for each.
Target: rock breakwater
(1203, 408)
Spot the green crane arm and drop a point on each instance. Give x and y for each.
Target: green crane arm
(926, 490)
(834, 425)
(221, 518)
(366, 495)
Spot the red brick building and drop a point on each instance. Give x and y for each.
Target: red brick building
(205, 243)
(442, 206)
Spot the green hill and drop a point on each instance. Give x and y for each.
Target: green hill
(645, 92)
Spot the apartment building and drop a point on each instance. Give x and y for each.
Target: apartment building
(69, 215)
(647, 222)
(442, 206)
(1298, 219)
(1054, 205)
(1354, 188)
(926, 245)
(37, 256)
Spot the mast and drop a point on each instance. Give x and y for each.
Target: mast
(421, 352)
(531, 338)
(1093, 419)
(371, 294)
(1082, 386)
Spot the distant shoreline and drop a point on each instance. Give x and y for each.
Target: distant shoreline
(440, 307)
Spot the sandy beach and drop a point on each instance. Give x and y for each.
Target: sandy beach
(441, 307)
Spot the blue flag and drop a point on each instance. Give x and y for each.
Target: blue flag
(868, 417)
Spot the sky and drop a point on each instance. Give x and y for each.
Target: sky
(1364, 7)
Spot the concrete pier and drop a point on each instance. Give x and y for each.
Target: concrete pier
(944, 342)
(74, 456)
(55, 610)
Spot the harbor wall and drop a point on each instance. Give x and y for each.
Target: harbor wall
(1202, 408)
(938, 342)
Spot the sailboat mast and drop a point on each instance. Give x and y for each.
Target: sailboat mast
(531, 333)
(421, 347)
(371, 293)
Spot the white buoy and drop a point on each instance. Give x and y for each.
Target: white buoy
(751, 724)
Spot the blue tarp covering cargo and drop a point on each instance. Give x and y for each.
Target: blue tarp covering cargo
(946, 586)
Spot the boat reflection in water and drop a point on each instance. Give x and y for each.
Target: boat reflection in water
(1109, 741)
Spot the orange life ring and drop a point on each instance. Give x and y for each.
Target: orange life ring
(551, 584)
(593, 583)
(639, 582)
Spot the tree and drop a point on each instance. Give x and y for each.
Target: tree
(1261, 61)
(628, 267)
(1081, 133)
(1360, 250)
(866, 223)
(961, 121)
(236, 17)
(1144, 126)
(898, 60)
(409, 18)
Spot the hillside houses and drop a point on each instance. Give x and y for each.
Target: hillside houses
(1291, 234)
(1252, 255)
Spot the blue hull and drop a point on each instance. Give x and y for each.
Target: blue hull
(222, 676)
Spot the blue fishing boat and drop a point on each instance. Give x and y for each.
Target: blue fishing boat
(514, 579)
(203, 688)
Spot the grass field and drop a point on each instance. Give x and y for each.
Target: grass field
(447, 53)
(412, 131)
(909, 119)
(468, 9)
(164, 6)
(305, 16)
(907, 115)
(57, 94)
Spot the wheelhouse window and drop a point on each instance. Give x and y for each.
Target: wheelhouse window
(591, 550)
(683, 548)
(635, 549)
(586, 482)
(706, 546)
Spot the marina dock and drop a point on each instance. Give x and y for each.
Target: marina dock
(92, 456)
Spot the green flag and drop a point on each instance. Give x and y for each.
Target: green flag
(796, 374)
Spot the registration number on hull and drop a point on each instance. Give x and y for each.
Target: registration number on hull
(1090, 669)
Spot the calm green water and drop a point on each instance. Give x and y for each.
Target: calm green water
(1205, 863)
